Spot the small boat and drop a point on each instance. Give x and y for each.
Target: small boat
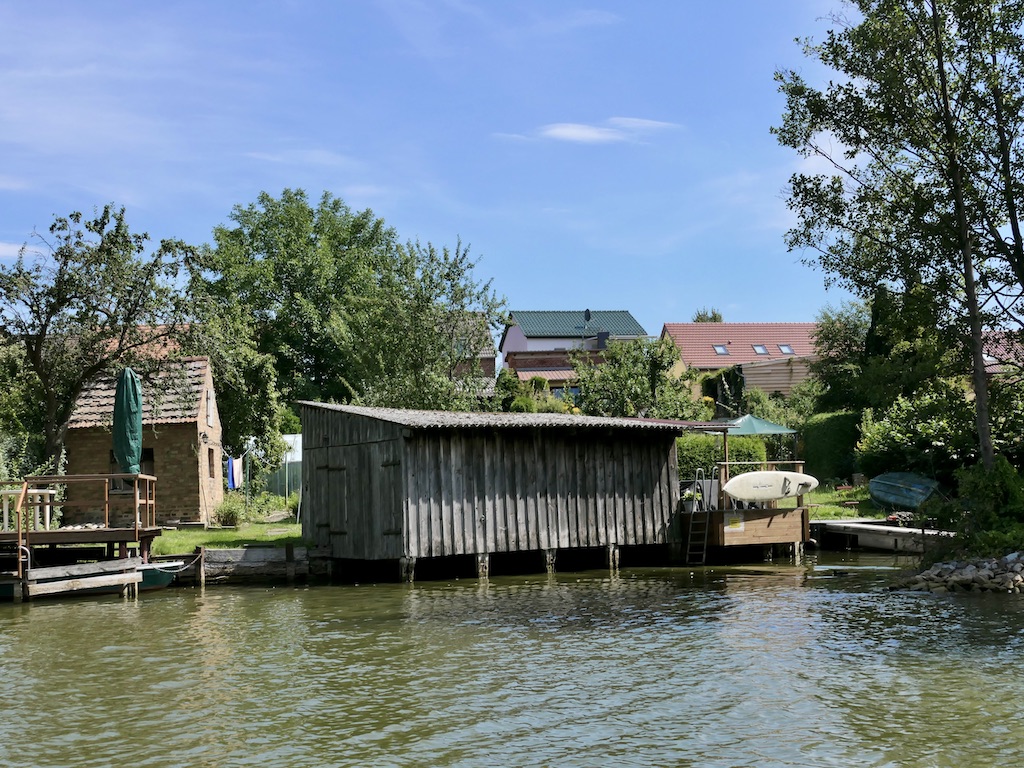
(152, 576)
(903, 490)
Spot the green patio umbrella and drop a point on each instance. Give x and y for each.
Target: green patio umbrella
(752, 425)
(128, 422)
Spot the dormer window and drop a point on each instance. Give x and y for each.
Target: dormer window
(760, 349)
(786, 349)
(721, 349)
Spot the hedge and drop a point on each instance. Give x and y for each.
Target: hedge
(705, 451)
(830, 442)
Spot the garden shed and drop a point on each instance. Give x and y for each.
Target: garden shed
(389, 484)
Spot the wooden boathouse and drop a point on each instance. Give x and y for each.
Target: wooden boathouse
(398, 485)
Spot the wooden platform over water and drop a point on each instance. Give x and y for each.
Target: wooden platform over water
(875, 535)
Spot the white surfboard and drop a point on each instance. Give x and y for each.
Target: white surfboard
(767, 486)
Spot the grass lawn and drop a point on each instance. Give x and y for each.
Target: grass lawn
(183, 541)
(827, 503)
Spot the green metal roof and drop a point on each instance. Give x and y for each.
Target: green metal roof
(570, 324)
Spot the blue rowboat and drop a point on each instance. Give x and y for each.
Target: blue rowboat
(904, 490)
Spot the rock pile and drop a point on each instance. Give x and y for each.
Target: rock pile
(1004, 574)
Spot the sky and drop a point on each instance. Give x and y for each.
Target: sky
(601, 155)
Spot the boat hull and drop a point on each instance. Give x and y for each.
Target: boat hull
(901, 490)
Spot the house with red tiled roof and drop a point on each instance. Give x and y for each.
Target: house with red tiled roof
(773, 357)
(181, 444)
(538, 343)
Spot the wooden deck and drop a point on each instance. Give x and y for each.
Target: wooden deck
(45, 560)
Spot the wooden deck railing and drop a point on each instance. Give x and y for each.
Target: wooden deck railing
(36, 493)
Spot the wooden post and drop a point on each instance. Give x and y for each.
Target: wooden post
(483, 565)
(613, 557)
(201, 566)
(407, 569)
(549, 560)
(289, 558)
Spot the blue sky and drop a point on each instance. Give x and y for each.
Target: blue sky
(593, 154)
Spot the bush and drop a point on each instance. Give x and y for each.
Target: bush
(931, 433)
(830, 444)
(705, 451)
(235, 509)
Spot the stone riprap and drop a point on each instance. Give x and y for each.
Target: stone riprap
(1004, 574)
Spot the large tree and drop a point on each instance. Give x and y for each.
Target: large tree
(343, 309)
(922, 136)
(635, 378)
(84, 300)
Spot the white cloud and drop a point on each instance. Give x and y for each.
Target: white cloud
(582, 134)
(614, 129)
(9, 250)
(307, 157)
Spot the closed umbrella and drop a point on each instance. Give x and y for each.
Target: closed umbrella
(128, 422)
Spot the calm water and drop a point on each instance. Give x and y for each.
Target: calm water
(728, 667)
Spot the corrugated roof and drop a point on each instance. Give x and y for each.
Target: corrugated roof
(179, 384)
(571, 325)
(696, 342)
(466, 419)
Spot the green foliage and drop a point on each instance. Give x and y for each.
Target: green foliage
(84, 304)
(920, 130)
(523, 403)
(839, 345)
(344, 311)
(695, 451)
(830, 442)
(931, 433)
(237, 509)
(707, 315)
(994, 499)
(635, 379)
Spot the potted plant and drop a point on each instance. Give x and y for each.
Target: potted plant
(688, 498)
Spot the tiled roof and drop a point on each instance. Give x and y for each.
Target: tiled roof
(466, 419)
(696, 342)
(172, 396)
(571, 325)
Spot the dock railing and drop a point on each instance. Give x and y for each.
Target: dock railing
(36, 492)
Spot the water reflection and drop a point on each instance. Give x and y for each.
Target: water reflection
(817, 664)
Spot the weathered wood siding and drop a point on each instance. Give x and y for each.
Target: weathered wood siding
(374, 490)
(516, 490)
(352, 485)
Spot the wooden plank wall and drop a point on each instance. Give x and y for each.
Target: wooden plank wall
(352, 485)
(478, 491)
(375, 491)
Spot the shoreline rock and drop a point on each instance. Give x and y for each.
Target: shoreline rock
(1002, 574)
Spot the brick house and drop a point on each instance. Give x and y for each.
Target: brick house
(538, 343)
(181, 445)
(772, 357)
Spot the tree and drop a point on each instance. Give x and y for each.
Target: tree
(705, 315)
(923, 136)
(86, 302)
(343, 310)
(635, 378)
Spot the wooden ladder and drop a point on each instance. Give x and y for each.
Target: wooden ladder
(700, 524)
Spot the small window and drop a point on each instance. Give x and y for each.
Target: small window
(786, 349)
(212, 462)
(760, 349)
(721, 349)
